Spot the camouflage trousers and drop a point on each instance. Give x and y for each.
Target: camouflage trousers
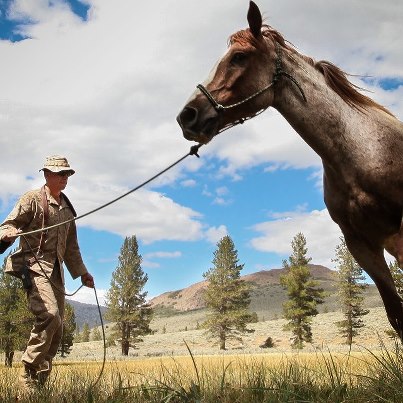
(47, 304)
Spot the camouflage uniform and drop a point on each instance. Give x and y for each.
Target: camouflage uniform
(44, 299)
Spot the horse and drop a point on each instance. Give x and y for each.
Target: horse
(359, 141)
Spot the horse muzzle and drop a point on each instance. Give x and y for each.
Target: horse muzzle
(195, 126)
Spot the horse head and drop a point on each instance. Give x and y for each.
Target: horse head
(238, 88)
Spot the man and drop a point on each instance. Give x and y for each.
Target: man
(38, 262)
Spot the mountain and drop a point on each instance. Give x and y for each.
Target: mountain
(267, 295)
(87, 313)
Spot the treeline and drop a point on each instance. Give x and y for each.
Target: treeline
(227, 298)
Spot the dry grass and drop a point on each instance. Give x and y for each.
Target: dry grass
(184, 366)
(286, 377)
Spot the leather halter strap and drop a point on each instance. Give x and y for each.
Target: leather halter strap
(276, 77)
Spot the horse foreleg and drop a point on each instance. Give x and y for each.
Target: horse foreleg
(371, 259)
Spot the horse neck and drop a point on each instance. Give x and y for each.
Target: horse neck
(320, 121)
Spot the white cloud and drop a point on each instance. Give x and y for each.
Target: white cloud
(87, 296)
(321, 233)
(147, 262)
(150, 265)
(287, 215)
(269, 138)
(214, 234)
(217, 195)
(220, 201)
(222, 191)
(144, 213)
(164, 255)
(106, 92)
(188, 183)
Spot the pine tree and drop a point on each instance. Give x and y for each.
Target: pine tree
(397, 274)
(69, 327)
(226, 296)
(77, 336)
(303, 293)
(351, 292)
(96, 334)
(15, 319)
(85, 333)
(126, 300)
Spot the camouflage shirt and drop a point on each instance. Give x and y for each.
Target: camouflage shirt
(60, 243)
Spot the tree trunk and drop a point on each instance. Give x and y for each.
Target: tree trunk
(125, 339)
(222, 340)
(350, 330)
(8, 358)
(125, 347)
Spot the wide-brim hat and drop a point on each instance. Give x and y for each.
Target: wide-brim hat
(57, 163)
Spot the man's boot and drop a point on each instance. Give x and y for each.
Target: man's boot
(28, 380)
(43, 372)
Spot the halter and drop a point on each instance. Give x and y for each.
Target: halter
(278, 73)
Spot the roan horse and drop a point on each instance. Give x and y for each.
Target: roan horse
(359, 141)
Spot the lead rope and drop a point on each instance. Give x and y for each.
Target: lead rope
(193, 151)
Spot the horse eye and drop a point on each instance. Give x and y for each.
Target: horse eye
(238, 58)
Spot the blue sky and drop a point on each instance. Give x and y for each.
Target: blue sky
(102, 82)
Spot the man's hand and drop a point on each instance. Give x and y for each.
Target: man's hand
(10, 234)
(87, 280)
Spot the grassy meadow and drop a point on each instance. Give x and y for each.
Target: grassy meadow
(322, 376)
(179, 364)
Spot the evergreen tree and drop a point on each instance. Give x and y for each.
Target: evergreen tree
(69, 327)
(351, 291)
(226, 296)
(111, 340)
(96, 334)
(126, 300)
(303, 293)
(77, 336)
(15, 319)
(85, 333)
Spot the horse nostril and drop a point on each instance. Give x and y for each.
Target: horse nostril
(188, 116)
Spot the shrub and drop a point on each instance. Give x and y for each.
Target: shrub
(269, 343)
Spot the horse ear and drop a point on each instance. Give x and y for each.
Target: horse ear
(254, 19)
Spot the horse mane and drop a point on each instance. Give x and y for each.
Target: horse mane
(337, 80)
(334, 77)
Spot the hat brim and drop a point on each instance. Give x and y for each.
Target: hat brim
(58, 169)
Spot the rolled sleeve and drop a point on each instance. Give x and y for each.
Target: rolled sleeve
(21, 215)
